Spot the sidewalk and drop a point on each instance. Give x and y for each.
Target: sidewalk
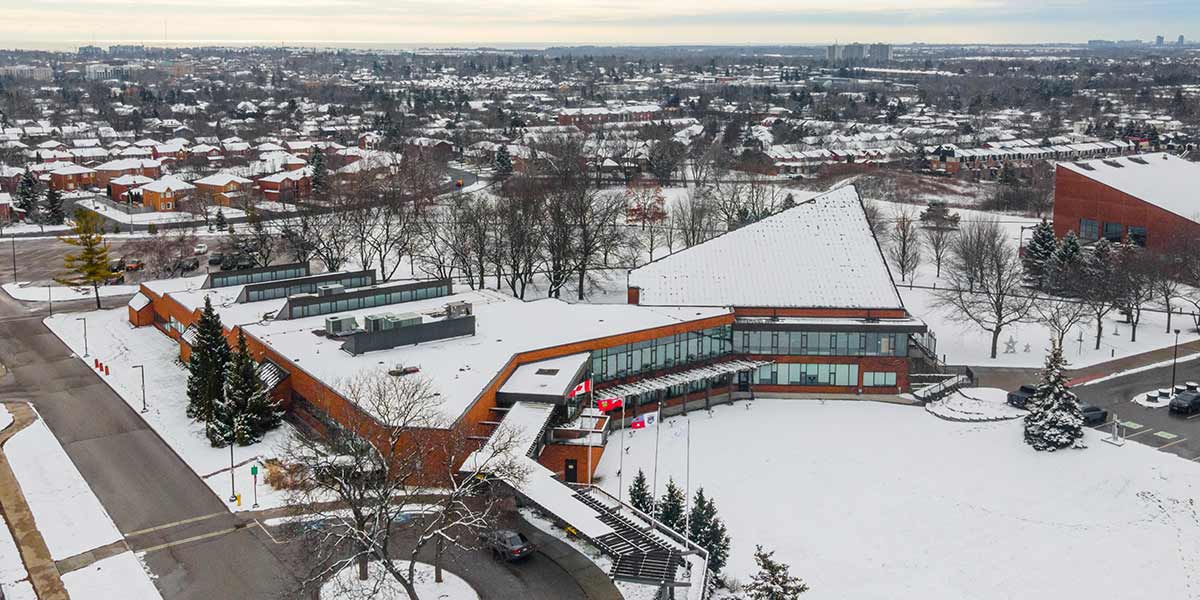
(43, 573)
(1085, 374)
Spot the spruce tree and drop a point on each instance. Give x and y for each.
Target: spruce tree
(1054, 421)
(27, 195)
(1066, 258)
(245, 398)
(320, 176)
(639, 494)
(773, 581)
(504, 166)
(54, 207)
(708, 531)
(670, 509)
(1039, 254)
(220, 220)
(206, 366)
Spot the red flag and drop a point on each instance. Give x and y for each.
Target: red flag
(644, 421)
(584, 387)
(607, 404)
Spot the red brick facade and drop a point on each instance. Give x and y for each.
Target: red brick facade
(1077, 197)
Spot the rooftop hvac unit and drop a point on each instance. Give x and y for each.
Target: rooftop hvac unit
(330, 289)
(404, 320)
(340, 325)
(375, 323)
(455, 310)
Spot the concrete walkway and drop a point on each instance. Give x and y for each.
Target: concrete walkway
(43, 572)
(1160, 355)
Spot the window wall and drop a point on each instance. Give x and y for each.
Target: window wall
(820, 343)
(879, 379)
(660, 353)
(1089, 229)
(823, 374)
(381, 297)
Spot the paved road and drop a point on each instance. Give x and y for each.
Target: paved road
(137, 477)
(41, 260)
(1157, 424)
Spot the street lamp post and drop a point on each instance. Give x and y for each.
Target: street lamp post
(1174, 359)
(14, 255)
(142, 368)
(85, 346)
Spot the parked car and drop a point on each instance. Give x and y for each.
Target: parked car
(1093, 415)
(1021, 395)
(134, 264)
(117, 265)
(507, 544)
(216, 258)
(115, 279)
(188, 264)
(200, 249)
(1185, 403)
(229, 262)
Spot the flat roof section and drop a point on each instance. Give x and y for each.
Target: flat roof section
(551, 378)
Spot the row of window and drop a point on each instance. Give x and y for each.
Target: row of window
(807, 374)
(660, 353)
(820, 343)
(879, 379)
(1089, 229)
(229, 278)
(381, 298)
(305, 287)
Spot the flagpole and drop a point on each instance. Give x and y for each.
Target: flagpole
(687, 482)
(591, 404)
(621, 464)
(657, 435)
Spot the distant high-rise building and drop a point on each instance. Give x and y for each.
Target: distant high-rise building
(1159, 40)
(858, 53)
(833, 53)
(91, 51)
(1180, 41)
(881, 53)
(127, 51)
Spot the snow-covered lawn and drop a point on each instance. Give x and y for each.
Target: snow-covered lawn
(966, 343)
(121, 576)
(878, 501)
(379, 586)
(65, 510)
(26, 292)
(27, 228)
(12, 569)
(120, 346)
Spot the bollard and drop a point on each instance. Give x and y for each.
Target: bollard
(239, 499)
(106, 369)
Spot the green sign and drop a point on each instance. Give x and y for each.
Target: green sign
(254, 469)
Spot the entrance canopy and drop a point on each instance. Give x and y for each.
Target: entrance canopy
(683, 377)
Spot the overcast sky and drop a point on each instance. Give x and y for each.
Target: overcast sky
(437, 22)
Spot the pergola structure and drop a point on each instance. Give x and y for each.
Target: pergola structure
(704, 373)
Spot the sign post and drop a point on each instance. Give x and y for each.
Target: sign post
(254, 473)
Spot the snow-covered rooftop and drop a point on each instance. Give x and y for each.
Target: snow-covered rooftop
(819, 254)
(1161, 179)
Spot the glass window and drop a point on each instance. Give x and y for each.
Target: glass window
(1113, 232)
(1089, 229)
(1137, 235)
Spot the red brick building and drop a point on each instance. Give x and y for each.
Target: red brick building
(1148, 199)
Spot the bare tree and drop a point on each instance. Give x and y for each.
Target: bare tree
(1097, 282)
(520, 238)
(1136, 275)
(938, 239)
(984, 275)
(1168, 274)
(905, 246)
(596, 216)
(1060, 315)
(695, 217)
(366, 478)
(436, 255)
(874, 217)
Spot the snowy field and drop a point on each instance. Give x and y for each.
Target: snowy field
(876, 501)
(121, 576)
(27, 292)
(120, 346)
(379, 585)
(967, 344)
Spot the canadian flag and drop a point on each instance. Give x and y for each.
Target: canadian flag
(607, 404)
(644, 421)
(584, 387)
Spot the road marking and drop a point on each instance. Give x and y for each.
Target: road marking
(1138, 433)
(1166, 435)
(1197, 415)
(195, 538)
(174, 524)
(1131, 425)
(1196, 459)
(1172, 443)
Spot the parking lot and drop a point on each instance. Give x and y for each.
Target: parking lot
(1155, 427)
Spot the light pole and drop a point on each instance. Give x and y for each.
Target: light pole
(232, 441)
(13, 238)
(85, 347)
(142, 368)
(1174, 359)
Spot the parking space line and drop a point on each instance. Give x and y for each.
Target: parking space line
(1133, 435)
(1197, 415)
(1173, 443)
(1196, 459)
(1166, 435)
(1131, 425)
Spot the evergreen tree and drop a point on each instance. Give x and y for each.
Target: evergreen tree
(27, 194)
(504, 166)
(1039, 254)
(670, 508)
(708, 531)
(54, 207)
(639, 494)
(246, 412)
(206, 366)
(773, 581)
(1066, 257)
(320, 176)
(1054, 421)
(88, 265)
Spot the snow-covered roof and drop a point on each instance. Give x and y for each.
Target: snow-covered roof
(1161, 179)
(550, 377)
(819, 254)
(222, 179)
(168, 184)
